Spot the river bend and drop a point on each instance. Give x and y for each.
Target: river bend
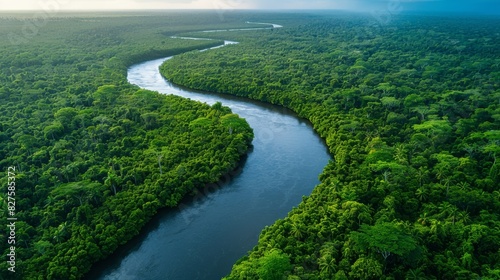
(207, 234)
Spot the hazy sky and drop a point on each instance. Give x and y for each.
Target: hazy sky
(491, 6)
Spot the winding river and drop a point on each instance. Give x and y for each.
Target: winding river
(207, 234)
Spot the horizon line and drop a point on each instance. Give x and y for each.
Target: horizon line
(490, 13)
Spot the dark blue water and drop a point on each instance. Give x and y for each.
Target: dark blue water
(207, 234)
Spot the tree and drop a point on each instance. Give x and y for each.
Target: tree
(437, 130)
(200, 125)
(274, 265)
(327, 263)
(422, 111)
(65, 116)
(54, 130)
(76, 190)
(106, 95)
(112, 181)
(390, 102)
(415, 274)
(234, 124)
(387, 168)
(366, 269)
(385, 87)
(413, 100)
(43, 246)
(445, 168)
(384, 238)
(219, 109)
(357, 70)
(150, 120)
(493, 148)
(27, 142)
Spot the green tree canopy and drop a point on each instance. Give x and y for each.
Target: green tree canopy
(274, 265)
(384, 238)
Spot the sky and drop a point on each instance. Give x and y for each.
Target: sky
(486, 6)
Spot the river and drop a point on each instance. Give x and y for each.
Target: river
(207, 234)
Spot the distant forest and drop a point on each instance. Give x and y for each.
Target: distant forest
(410, 113)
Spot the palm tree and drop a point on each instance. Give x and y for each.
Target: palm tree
(111, 181)
(447, 182)
(421, 175)
(327, 265)
(464, 217)
(445, 209)
(60, 233)
(296, 232)
(422, 194)
(400, 154)
(49, 201)
(463, 186)
(454, 214)
(436, 227)
(415, 274)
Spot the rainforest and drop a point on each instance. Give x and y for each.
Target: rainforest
(408, 108)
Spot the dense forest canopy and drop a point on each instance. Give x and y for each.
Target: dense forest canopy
(95, 157)
(409, 110)
(410, 113)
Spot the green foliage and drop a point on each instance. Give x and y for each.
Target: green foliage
(365, 269)
(415, 103)
(273, 266)
(234, 124)
(95, 156)
(384, 238)
(410, 113)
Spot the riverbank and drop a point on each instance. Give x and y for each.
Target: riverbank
(212, 232)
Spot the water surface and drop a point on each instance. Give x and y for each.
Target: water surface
(207, 234)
